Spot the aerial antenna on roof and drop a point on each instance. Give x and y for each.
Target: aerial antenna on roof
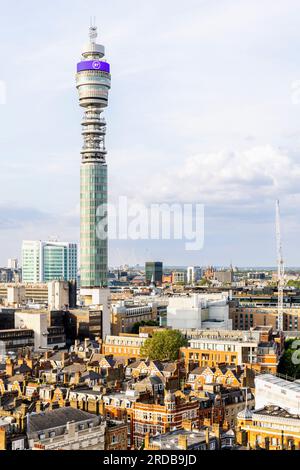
(93, 29)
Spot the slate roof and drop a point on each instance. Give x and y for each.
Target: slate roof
(135, 364)
(90, 375)
(197, 370)
(152, 379)
(23, 369)
(75, 367)
(169, 366)
(56, 418)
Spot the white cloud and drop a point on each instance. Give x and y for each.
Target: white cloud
(251, 176)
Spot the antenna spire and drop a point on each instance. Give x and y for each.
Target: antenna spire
(93, 29)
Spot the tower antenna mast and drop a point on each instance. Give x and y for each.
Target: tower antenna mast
(280, 268)
(93, 29)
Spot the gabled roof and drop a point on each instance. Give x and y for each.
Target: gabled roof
(135, 364)
(237, 374)
(16, 378)
(197, 370)
(158, 364)
(75, 367)
(169, 366)
(46, 366)
(23, 369)
(90, 375)
(152, 379)
(57, 356)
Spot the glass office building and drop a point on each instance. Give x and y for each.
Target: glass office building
(154, 272)
(48, 261)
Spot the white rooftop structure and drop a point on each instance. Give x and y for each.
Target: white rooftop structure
(272, 390)
(199, 311)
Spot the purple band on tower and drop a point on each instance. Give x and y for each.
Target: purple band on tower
(93, 65)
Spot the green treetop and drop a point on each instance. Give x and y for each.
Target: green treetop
(163, 346)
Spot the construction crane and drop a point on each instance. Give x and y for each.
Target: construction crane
(280, 268)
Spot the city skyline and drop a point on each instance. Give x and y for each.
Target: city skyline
(160, 141)
(175, 126)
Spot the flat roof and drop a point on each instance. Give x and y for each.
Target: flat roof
(170, 440)
(295, 386)
(273, 410)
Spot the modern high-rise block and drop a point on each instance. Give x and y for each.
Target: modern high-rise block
(154, 271)
(93, 84)
(31, 261)
(194, 274)
(12, 263)
(48, 261)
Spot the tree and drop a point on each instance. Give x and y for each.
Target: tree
(204, 282)
(295, 284)
(287, 365)
(163, 346)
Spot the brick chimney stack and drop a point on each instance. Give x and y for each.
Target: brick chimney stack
(207, 437)
(9, 367)
(187, 425)
(2, 439)
(147, 441)
(182, 442)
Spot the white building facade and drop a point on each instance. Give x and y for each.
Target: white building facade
(271, 390)
(209, 311)
(36, 321)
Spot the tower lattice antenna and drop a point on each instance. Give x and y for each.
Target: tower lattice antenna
(93, 29)
(280, 268)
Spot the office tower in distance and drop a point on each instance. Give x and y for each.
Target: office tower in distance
(31, 261)
(59, 261)
(48, 261)
(194, 274)
(93, 84)
(154, 272)
(12, 263)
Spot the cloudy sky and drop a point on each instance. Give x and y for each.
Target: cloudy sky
(204, 108)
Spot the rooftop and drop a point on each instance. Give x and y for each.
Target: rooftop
(170, 440)
(56, 418)
(275, 411)
(273, 379)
